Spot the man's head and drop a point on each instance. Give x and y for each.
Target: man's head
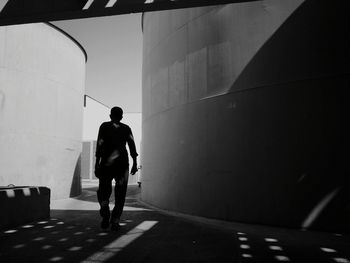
(116, 114)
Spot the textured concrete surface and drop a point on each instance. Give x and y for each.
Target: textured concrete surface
(23, 205)
(147, 235)
(42, 81)
(243, 106)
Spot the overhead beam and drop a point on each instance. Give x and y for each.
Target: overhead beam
(29, 11)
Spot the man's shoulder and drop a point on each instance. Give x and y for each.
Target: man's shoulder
(109, 124)
(105, 125)
(125, 126)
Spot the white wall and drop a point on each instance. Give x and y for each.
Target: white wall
(42, 80)
(95, 113)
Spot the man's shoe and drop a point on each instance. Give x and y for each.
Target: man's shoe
(115, 226)
(105, 223)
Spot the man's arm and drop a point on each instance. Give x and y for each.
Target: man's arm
(133, 152)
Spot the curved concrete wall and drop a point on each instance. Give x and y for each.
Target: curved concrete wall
(42, 75)
(244, 111)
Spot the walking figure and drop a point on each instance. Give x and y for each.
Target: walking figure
(112, 162)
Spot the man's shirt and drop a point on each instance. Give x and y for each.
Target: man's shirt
(111, 144)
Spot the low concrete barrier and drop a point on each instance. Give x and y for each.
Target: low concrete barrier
(24, 204)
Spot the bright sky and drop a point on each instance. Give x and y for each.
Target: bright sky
(114, 48)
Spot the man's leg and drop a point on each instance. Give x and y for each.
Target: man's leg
(120, 189)
(103, 194)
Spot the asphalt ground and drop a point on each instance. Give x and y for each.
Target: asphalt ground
(147, 234)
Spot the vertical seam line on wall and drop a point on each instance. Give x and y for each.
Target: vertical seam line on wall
(91, 158)
(168, 87)
(5, 46)
(187, 75)
(207, 68)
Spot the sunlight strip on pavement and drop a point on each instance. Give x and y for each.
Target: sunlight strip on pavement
(116, 246)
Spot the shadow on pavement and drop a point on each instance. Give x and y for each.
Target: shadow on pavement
(145, 236)
(73, 234)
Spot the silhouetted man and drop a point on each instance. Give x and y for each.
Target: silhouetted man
(112, 162)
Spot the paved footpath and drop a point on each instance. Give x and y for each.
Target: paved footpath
(72, 234)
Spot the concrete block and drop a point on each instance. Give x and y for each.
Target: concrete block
(24, 204)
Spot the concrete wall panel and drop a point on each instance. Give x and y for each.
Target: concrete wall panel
(252, 126)
(2, 46)
(42, 74)
(197, 74)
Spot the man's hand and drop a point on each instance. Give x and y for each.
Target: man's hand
(133, 169)
(97, 171)
(97, 167)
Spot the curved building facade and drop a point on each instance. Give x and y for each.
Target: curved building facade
(244, 112)
(42, 81)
